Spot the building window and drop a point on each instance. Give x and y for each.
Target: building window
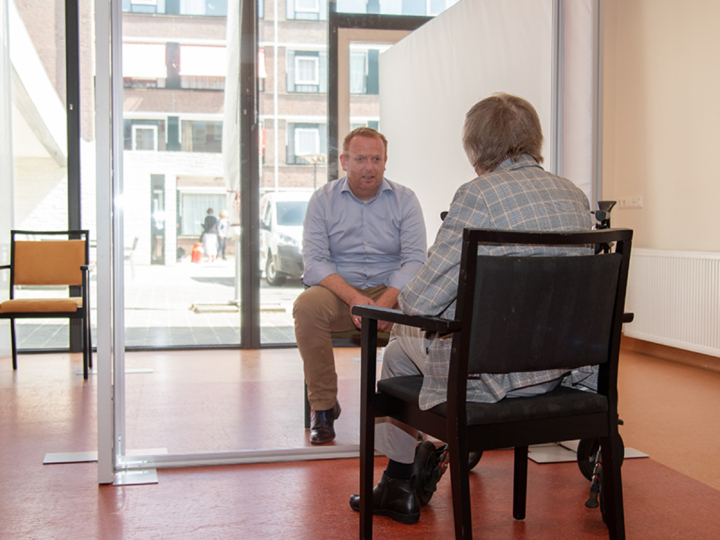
(358, 72)
(144, 65)
(306, 71)
(144, 134)
(395, 7)
(375, 124)
(202, 67)
(365, 72)
(306, 10)
(201, 136)
(144, 137)
(307, 6)
(304, 142)
(436, 7)
(307, 142)
(143, 6)
(211, 8)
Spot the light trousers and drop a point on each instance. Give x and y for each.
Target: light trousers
(407, 354)
(318, 312)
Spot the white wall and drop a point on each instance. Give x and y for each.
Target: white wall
(661, 116)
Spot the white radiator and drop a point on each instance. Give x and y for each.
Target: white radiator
(675, 296)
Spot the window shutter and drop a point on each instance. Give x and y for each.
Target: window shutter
(173, 133)
(172, 62)
(373, 76)
(290, 148)
(322, 129)
(290, 61)
(323, 71)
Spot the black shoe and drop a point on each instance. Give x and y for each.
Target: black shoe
(321, 429)
(393, 498)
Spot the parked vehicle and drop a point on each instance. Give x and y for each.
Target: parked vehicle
(281, 226)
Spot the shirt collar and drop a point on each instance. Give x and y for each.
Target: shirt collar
(385, 185)
(523, 161)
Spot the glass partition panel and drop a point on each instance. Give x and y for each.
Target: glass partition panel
(293, 71)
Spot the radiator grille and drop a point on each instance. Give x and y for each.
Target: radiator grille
(675, 296)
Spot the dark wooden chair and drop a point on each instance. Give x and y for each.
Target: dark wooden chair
(41, 259)
(514, 314)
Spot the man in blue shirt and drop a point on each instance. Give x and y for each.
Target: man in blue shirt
(364, 239)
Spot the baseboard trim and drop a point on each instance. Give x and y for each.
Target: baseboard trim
(672, 354)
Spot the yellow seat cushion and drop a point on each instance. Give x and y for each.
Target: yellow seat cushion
(41, 305)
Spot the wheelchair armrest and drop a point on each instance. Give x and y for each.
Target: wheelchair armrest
(429, 324)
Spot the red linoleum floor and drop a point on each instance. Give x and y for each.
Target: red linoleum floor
(215, 401)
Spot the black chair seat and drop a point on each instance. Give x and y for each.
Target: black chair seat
(560, 402)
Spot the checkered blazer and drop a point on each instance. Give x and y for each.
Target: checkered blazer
(518, 195)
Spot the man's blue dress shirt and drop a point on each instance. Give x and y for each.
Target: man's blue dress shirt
(381, 241)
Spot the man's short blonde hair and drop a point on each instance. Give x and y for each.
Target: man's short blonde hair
(364, 132)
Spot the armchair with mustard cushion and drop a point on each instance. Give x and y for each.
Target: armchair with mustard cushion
(40, 259)
(514, 314)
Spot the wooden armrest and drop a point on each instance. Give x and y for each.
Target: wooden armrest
(429, 324)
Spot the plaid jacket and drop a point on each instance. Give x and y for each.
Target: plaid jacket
(516, 196)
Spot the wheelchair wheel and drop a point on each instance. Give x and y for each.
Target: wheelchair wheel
(427, 470)
(586, 452)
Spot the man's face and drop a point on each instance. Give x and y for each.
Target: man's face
(364, 163)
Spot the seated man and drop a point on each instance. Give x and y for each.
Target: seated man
(364, 238)
(502, 138)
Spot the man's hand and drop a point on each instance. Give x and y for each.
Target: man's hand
(361, 300)
(352, 297)
(388, 299)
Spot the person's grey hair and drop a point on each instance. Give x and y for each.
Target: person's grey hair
(363, 131)
(499, 127)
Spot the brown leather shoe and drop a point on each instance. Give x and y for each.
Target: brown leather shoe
(393, 498)
(321, 429)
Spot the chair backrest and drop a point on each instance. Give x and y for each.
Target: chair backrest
(46, 262)
(536, 313)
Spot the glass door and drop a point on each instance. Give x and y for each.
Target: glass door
(219, 113)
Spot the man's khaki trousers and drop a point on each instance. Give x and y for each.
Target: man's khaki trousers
(318, 312)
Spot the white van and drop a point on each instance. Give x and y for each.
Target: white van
(281, 227)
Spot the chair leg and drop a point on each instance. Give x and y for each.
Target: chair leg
(89, 342)
(307, 408)
(369, 407)
(84, 337)
(460, 481)
(520, 482)
(14, 344)
(614, 514)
